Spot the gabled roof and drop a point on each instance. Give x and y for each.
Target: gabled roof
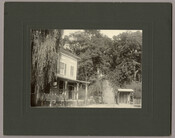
(64, 51)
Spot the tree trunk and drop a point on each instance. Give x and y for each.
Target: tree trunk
(135, 75)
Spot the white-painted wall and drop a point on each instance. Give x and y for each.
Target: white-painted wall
(69, 61)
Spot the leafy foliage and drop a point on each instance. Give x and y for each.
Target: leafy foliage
(137, 87)
(90, 45)
(119, 60)
(126, 58)
(44, 48)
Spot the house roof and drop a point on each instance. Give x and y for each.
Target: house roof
(64, 51)
(125, 90)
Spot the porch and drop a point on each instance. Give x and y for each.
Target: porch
(66, 92)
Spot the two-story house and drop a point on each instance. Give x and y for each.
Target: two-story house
(67, 75)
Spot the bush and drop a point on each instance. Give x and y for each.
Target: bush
(95, 90)
(81, 93)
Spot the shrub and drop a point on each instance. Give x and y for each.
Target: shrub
(137, 87)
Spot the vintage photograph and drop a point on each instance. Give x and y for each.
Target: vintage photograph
(86, 68)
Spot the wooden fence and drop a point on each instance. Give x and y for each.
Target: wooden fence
(138, 101)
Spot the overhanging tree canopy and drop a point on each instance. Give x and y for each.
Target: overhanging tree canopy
(44, 48)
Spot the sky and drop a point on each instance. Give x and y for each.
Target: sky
(109, 33)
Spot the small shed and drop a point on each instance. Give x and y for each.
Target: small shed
(125, 96)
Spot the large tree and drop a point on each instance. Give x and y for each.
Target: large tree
(44, 48)
(125, 63)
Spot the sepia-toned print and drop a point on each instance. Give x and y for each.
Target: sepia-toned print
(86, 68)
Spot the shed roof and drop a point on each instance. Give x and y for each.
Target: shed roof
(125, 90)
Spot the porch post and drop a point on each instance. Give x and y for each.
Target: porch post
(74, 93)
(65, 91)
(128, 99)
(77, 92)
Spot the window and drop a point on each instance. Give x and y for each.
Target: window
(62, 68)
(71, 71)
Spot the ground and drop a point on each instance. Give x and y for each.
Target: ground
(112, 106)
(99, 106)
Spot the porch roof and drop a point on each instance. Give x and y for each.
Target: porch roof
(72, 80)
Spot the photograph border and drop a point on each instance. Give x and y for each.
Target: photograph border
(106, 104)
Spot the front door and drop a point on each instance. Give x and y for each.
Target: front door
(124, 98)
(70, 92)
